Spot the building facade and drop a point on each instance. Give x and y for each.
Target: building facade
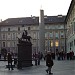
(11, 29)
(70, 22)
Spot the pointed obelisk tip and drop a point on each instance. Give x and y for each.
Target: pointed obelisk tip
(41, 7)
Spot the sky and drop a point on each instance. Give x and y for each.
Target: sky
(26, 8)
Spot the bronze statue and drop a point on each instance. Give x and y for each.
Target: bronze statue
(25, 31)
(24, 36)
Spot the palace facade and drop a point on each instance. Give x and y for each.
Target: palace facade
(12, 28)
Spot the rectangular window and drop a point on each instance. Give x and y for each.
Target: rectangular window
(61, 27)
(34, 35)
(28, 28)
(71, 44)
(34, 43)
(46, 35)
(62, 42)
(62, 34)
(13, 44)
(8, 36)
(8, 29)
(8, 44)
(3, 44)
(51, 43)
(56, 35)
(56, 43)
(51, 34)
(18, 28)
(3, 36)
(13, 36)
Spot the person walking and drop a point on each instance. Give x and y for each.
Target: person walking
(49, 62)
(5, 55)
(36, 59)
(9, 58)
(39, 58)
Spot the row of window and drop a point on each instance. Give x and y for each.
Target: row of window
(50, 43)
(8, 44)
(8, 36)
(54, 34)
(55, 27)
(32, 28)
(49, 35)
(34, 35)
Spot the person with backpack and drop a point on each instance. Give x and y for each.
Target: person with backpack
(49, 62)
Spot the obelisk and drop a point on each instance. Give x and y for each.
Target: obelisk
(41, 32)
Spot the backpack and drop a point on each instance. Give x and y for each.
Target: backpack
(50, 63)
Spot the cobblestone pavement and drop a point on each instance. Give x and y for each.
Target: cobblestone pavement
(65, 67)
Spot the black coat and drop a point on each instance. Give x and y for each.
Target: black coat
(49, 61)
(9, 58)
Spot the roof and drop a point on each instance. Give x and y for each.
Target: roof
(20, 21)
(54, 19)
(33, 20)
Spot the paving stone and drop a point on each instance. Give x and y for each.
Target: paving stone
(65, 67)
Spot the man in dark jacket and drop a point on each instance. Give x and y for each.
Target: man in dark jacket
(49, 62)
(9, 57)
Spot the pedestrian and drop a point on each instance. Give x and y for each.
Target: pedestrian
(49, 62)
(72, 55)
(36, 59)
(39, 58)
(15, 61)
(5, 55)
(68, 55)
(41, 55)
(9, 58)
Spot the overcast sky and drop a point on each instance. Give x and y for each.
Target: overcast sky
(26, 8)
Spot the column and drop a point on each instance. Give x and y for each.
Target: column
(41, 32)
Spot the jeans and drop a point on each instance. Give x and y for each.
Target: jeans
(49, 69)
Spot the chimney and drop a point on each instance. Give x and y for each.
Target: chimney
(59, 16)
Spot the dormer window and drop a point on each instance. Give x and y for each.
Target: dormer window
(60, 16)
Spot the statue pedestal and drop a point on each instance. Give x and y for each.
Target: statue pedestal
(24, 54)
